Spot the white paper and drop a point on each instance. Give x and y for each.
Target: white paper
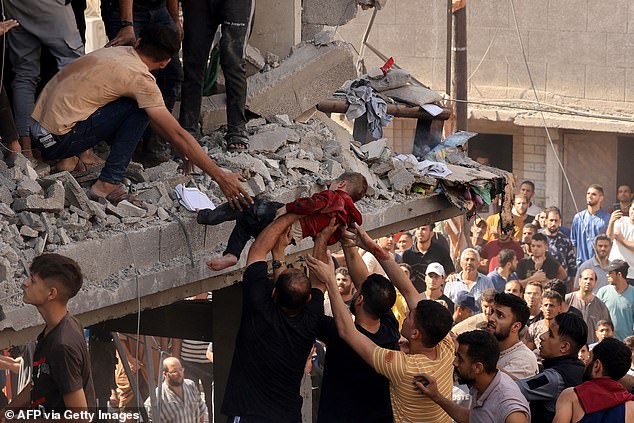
(193, 199)
(432, 109)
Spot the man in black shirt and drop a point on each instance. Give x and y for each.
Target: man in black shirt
(351, 390)
(424, 251)
(278, 327)
(61, 366)
(540, 267)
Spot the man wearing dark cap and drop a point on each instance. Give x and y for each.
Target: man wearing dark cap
(618, 297)
(465, 307)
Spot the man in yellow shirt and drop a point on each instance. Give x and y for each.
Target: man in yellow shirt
(430, 348)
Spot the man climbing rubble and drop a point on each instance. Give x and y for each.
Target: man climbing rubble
(110, 95)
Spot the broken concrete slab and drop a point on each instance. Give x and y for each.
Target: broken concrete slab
(254, 60)
(213, 113)
(283, 120)
(324, 37)
(374, 149)
(310, 75)
(28, 187)
(167, 169)
(5, 210)
(333, 169)
(255, 185)
(74, 193)
(28, 232)
(269, 141)
(63, 236)
(401, 180)
(5, 195)
(328, 12)
(52, 202)
(309, 165)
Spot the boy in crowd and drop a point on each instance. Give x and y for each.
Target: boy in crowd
(316, 211)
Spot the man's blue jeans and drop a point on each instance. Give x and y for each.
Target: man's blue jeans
(120, 124)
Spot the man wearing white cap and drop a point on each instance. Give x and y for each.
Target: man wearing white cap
(435, 284)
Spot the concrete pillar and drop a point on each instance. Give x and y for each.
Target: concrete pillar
(226, 321)
(554, 178)
(277, 26)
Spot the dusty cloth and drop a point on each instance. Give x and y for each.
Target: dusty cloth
(363, 100)
(600, 394)
(91, 82)
(323, 206)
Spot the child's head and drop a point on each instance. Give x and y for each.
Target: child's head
(353, 183)
(605, 329)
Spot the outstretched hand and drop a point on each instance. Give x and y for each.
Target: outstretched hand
(283, 241)
(359, 236)
(324, 272)
(329, 230)
(231, 186)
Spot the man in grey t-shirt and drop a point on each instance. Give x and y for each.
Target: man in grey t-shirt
(494, 395)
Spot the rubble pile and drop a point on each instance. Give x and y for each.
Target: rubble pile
(40, 214)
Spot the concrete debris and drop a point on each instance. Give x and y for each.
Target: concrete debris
(269, 140)
(309, 75)
(375, 73)
(374, 149)
(255, 185)
(63, 236)
(28, 187)
(401, 180)
(324, 37)
(162, 214)
(126, 209)
(5, 195)
(74, 194)
(28, 232)
(255, 123)
(5, 210)
(255, 62)
(213, 112)
(310, 165)
(53, 201)
(328, 12)
(366, 4)
(161, 171)
(395, 78)
(283, 120)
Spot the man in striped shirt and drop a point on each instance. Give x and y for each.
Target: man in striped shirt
(180, 399)
(430, 347)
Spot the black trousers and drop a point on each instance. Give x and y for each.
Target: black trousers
(200, 22)
(249, 222)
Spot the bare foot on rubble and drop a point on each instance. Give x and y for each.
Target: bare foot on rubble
(222, 262)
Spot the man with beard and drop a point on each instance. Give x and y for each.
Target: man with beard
(505, 271)
(591, 307)
(624, 197)
(180, 399)
(533, 297)
(344, 283)
(527, 235)
(598, 263)
(494, 396)
(423, 252)
(551, 307)
(601, 398)
(507, 321)
(469, 280)
(429, 347)
(618, 297)
(351, 389)
(589, 223)
(562, 368)
(559, 245)
(528, 189)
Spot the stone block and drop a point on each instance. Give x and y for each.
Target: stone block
(401, 180)
(213, 113)
(605, 83)
(7, 182)
(333, 169)
(63, 237)
(166, 169)
(52, 202)
(309, 165)
(254, 60)
(127, 209)
(608, 16)
(5, 195)
(374, 149)
(255, 185)
(283, 120)
(310, 75)
(74, 193)
(28, 187)
(31, 219)
(269, 141)
(5, 210)
(328, 12)
(568, 80)
(28, 232)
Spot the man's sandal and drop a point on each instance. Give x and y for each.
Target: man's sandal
(116, 196)
(237, 143)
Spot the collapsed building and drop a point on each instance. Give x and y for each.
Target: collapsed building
(136, 260)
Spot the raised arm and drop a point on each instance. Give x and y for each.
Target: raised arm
(269, 237)
(392, 269)
(355, 264)
(360, 343)
(320, 251)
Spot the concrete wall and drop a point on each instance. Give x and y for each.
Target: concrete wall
(577, 50)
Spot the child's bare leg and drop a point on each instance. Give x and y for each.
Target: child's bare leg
(223, 262)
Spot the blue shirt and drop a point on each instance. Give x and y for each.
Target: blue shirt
(498, 280)
(482, 282)
(585, 227)
(621, 307)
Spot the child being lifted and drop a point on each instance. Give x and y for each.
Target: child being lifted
(316, 211)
